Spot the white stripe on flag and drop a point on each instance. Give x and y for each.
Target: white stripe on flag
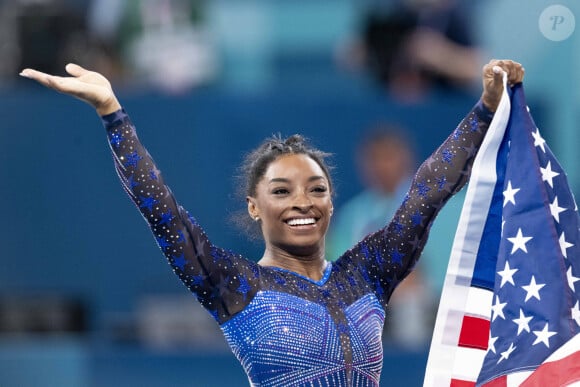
(517, 378)
(478, 302)
(467, 363)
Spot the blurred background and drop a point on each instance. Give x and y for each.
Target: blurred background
(86, 298)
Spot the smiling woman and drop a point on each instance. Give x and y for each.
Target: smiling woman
(293, 318)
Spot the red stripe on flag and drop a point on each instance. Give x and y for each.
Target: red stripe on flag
(461, 383)
(474, 333)
(556, 373)
(500, 381)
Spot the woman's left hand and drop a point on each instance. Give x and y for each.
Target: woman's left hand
(493, 82)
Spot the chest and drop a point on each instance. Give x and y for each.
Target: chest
(279, 331)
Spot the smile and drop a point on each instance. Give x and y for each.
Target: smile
(300, 221)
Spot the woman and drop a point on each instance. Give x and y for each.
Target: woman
(292, 318)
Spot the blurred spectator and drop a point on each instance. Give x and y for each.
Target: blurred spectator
(414, 45)
(165, 43)
(386, 161)
(44, 34)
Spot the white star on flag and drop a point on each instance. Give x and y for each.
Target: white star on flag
(492, 340)
(523, 322)
(507, 275)
(548, 175)
(575, 313)
(533, 289)
(538, 140)
(519, 241)
(506, 354)
(555, 209)
(497, 309)
(543, 336)
(571, 279)
(564, 244)
(509, 195)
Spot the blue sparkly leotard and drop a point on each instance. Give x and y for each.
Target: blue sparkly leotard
(284, 328)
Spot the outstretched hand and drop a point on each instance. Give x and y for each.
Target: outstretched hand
(88, 86)
(493, 80)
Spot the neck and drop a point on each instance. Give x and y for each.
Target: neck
(308, 266)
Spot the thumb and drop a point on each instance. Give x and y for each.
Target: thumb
(498, 73)
(75, 70)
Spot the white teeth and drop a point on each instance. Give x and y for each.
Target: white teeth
(300, 222)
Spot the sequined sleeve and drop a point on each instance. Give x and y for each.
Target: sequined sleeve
(222, 281)
(387, 256)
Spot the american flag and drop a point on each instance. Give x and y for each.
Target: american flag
(510, 313)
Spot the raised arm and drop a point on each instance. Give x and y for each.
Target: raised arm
(222, 281)
(387, 256)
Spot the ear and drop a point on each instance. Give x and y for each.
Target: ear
(252, 207)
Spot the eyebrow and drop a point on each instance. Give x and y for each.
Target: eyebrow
(284, 180)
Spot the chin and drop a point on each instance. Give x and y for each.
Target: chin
(305, 248)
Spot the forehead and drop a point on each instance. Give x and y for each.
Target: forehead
(293, 166)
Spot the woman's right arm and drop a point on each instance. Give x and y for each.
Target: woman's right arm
(223, 282)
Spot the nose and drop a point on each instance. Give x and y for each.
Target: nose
(303, 207)
(303, 203)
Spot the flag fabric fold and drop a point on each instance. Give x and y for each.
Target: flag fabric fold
(509, 313)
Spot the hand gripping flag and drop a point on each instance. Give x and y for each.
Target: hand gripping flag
(509, 313)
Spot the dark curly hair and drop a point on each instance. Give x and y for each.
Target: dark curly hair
(257, 162)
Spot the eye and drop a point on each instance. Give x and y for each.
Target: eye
(280, 191)
(320, 189)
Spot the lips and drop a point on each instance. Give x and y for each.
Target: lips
(301, 221)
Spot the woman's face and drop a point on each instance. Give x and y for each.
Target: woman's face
(293, 203)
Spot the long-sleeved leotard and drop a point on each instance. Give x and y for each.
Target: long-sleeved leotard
(284, 328)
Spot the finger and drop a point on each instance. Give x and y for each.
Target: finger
(75, 70)
(516, 73)
(33, 74)
(493, 73)
(60, 84)
(38, 76)
(498, 73)
(521, 74)
(501, 66)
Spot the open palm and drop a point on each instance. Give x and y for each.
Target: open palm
(88, 86)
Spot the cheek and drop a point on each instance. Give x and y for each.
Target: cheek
(328, 204)
(270, 212)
